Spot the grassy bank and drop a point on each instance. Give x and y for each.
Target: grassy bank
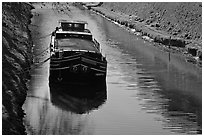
(152, 21)
(16, 63)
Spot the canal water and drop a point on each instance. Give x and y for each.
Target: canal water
(147, 90)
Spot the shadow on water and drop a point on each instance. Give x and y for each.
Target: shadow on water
(78, 99)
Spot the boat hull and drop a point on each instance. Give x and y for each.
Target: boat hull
(78, 67)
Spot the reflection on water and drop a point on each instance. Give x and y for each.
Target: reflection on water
(164, 90)
(66, 111)
(164, 83)
(181, 113)
(78, 99)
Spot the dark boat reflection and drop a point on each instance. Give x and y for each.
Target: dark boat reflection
(78, 99)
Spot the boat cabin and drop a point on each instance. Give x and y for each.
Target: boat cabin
(73, 29)
(73, 25)
(73, 35)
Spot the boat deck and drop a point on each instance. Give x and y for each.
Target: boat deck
(76, 44)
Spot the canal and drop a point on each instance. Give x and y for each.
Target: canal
(147, 90)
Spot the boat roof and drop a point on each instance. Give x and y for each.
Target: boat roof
(76, 44)
(72, 21)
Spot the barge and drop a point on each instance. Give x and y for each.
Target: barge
(75, 56)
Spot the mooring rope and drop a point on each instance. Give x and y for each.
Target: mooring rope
(33, 66)
(42, 52)
(45, 36)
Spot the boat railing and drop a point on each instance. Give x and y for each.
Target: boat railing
(73, 35)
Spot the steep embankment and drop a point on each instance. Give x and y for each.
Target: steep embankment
(16, 63)
(158, 21)
(179, 19)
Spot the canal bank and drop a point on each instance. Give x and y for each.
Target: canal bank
(16, 64)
